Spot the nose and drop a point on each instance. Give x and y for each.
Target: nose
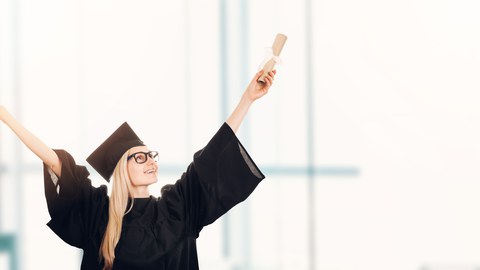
(151, 163)
(150, 160)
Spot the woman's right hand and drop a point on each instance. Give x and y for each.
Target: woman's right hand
(3, 112)
(45, 153)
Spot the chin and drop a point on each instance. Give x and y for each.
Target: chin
(154, 180)
(146, 182)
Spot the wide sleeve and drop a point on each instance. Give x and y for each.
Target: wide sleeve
(76, 207)
(221, 175)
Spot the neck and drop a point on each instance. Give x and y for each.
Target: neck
(140, 192)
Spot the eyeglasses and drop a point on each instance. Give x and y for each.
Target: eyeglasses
(142, 157)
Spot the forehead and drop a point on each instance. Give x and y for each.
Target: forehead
(138, 149)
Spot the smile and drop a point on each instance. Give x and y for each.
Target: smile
(150, 171)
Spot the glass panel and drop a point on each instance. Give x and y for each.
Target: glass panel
(41, 248)
(279, 123)
(4, 260)
(278, 224)
(8, 203)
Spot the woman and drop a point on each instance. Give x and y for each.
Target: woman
(131, 229)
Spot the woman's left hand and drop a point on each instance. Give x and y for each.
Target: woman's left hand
(256, 89)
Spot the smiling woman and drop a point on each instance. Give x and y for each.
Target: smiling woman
(131, 229)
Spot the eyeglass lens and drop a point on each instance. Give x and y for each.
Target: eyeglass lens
(141, 157)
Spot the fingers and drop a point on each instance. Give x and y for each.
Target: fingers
(268, 81)
(271, 74)
(270, 77)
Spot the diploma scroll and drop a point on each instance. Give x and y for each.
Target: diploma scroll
(277, 47)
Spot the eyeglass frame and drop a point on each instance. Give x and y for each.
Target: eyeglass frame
(146, 154)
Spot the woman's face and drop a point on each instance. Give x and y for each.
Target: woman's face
(145, 173)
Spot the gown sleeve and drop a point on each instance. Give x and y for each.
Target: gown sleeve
(221, 175)
(76, 207)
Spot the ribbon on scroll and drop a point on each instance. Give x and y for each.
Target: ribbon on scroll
(270, 56)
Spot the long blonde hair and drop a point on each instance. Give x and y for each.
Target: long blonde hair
(121, 188)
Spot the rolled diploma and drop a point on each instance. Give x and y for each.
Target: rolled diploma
(277, 47)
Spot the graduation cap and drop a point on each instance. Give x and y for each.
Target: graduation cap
(104, 159)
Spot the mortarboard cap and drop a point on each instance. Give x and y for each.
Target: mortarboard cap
(106, 156)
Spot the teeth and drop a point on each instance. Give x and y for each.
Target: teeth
(150, 171)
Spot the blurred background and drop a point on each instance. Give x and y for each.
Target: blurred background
(369, 137)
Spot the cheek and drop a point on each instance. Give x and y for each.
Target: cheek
(135, 174)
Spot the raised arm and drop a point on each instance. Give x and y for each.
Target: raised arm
(254, 91)
(45, 153)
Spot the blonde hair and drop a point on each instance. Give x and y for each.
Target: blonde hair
(121, 187)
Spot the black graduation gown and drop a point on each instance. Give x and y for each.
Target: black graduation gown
(158, 233)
